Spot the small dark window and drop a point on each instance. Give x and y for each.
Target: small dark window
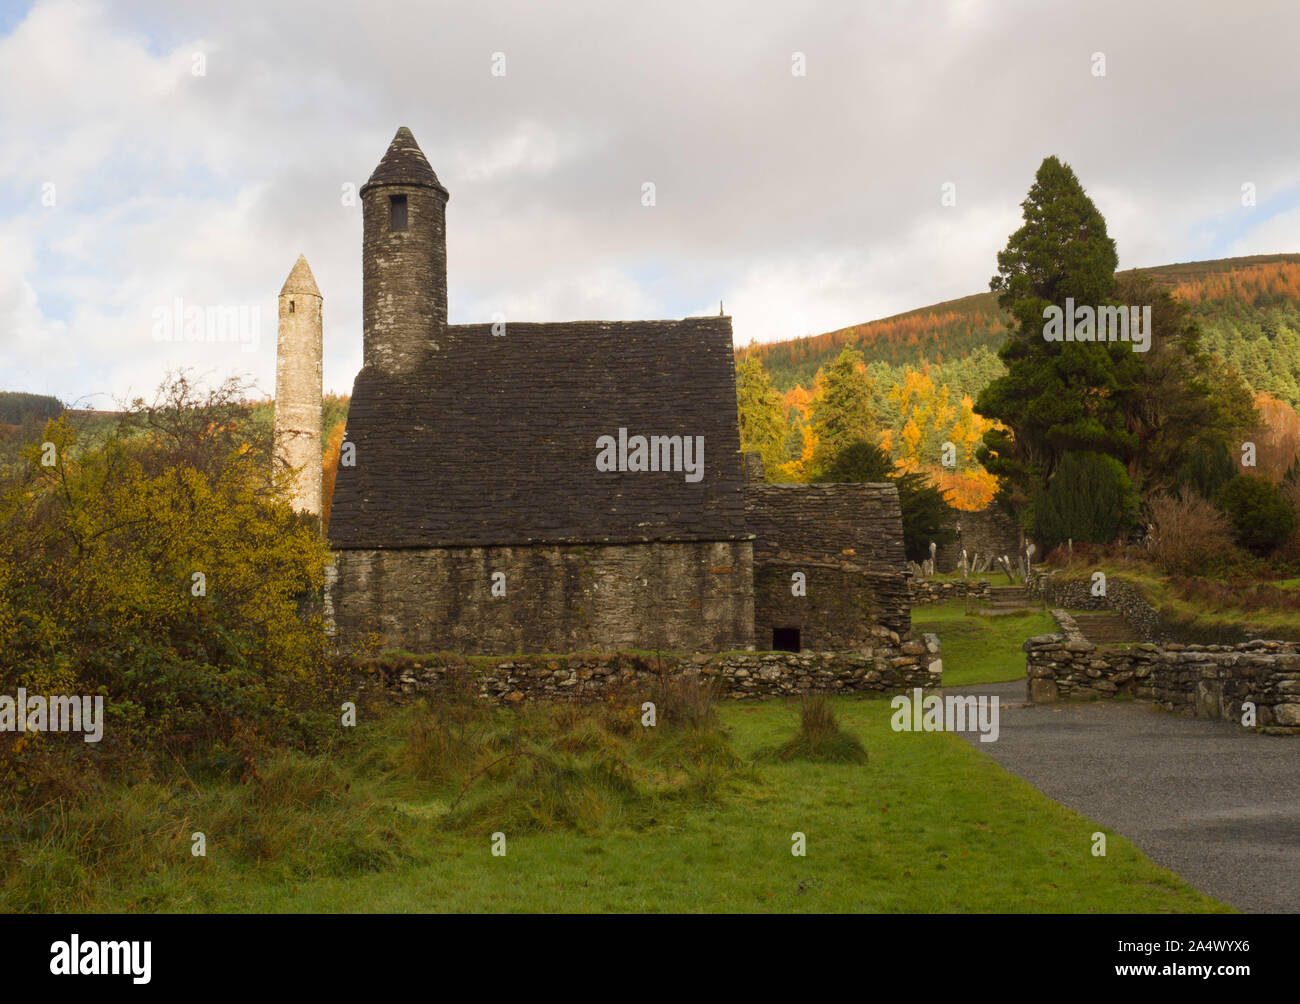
(785, 639)
(397, 204)
(291, 306)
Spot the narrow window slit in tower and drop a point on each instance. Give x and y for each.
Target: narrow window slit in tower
(291, 306)
(397, 204)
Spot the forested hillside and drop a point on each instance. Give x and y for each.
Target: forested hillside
(1248, 310)
(17, 408)
(919, 374)
(23, 420)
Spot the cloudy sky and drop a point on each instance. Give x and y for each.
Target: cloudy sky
(164, 149)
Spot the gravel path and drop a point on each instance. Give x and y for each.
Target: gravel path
(1215, 803)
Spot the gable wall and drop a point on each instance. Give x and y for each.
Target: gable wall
(847, 540)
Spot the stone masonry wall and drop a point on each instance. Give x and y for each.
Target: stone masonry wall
(887, 667)
(857, 528)
(837, 611)
(987, 531)
(1056, 589)
(1208, 681)
(1075, 592)
(694, 597)
(942, 590)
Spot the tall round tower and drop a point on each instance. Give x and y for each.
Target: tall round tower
(403, 259)
(297, 427)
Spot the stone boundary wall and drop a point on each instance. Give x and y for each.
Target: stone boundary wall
(892, 666)
(941, 591)
(1127, 600)
(1208, 681)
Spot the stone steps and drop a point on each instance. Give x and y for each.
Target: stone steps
(1105, 627)
(1006, 598)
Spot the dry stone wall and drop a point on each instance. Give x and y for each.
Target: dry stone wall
(891, 665)
(1075, 593)
(1208, 681)
(942, 590)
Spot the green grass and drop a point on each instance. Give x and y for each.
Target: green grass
(928, 824)
(1190, 611)
(980, 649)
(996, 578)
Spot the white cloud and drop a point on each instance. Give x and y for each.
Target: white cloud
(600, 294)
(1280, 233)
(831, 290)
(530, 149)
(803, 202)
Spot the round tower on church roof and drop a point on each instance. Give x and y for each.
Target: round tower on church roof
(403, 259)
(404, 164)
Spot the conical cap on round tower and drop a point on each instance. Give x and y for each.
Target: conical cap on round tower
(404, 164)
(300, 279)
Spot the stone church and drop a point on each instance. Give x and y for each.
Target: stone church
(572, 486)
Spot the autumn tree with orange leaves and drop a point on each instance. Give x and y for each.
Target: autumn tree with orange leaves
(330, 470)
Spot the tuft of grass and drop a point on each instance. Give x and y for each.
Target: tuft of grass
(820, 738)
(687, 700)
(562, 766)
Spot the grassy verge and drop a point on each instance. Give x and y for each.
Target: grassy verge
(980, 649)
(616, 818)
(1207, 603)
(996, 578)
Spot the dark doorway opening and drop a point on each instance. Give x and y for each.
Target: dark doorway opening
(785, 639)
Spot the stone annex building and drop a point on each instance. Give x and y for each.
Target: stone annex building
(551, 488)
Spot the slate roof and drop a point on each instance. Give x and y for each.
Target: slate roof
(858, 524)
(493, 440)
(404, 163)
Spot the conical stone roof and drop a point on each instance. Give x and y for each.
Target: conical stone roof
(300, 279)
(404, 164)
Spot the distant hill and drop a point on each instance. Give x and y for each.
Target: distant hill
(19, 408)
(1248, 308)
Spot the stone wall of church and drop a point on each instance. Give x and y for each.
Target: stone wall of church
(847, 541)
(684, 597)
(834, 609)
